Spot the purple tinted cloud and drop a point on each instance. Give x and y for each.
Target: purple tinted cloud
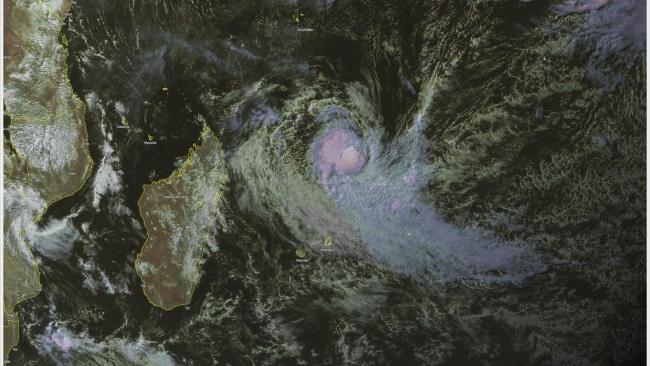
(613, 35)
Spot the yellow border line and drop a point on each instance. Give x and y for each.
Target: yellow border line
(84, 136)
(13, 308)
(207, 132)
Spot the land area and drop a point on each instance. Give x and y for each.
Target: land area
(45, 141)
(179, 213)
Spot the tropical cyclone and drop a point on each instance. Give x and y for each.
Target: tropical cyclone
(46, 154)
(179, 213)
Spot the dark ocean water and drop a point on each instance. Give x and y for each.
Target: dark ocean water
(164, 67)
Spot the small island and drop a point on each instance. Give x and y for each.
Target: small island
(179, 213)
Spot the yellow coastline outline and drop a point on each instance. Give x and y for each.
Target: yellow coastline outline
(207, 132)
(89, 168)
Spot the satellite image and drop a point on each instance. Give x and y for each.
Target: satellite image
(324, 182)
